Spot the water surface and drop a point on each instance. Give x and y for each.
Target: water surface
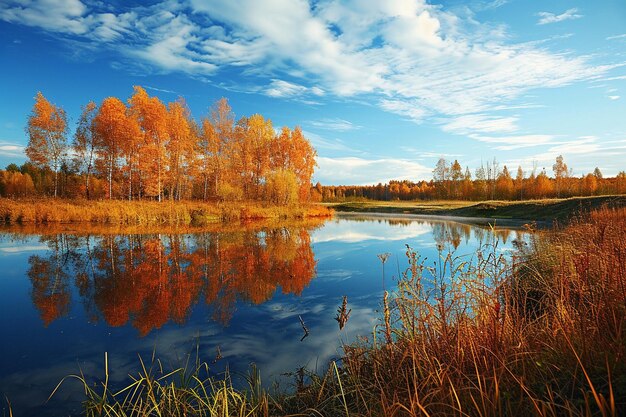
(67, 297)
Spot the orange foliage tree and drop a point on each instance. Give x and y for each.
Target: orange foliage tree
(153, 117)
(84, 145)
(47, 130)
(146, 149)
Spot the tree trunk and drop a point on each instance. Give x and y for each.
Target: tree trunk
(206, 180)
(56, 180)
(111, 179)
(130, 180)
(87, 184)
(159, 181)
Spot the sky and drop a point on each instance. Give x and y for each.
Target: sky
(382, 89)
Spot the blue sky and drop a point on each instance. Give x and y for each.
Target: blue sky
(381, 88)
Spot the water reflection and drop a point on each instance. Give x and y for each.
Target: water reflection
(449, 235)
(149, 280)
(68, 295)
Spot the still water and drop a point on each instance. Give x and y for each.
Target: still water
(234, 293)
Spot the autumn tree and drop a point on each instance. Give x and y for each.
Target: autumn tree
(15, 184)
(84, 145)
(620, 182)
(560, 173)
(302, 161)
(467, 186)
(589, 184)
(130, 148)
(504, 184)
(180, 146)
(113, 129)
(47, 130)
(597, 173)
(258, 139)
(222, 120)
(441, 176)
(519, 182)
(151, 114)
(456, 175)
(481, 182)
(281, 187)
(543, 185)
(493, 171)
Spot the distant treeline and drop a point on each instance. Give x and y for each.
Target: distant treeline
(489, 182)
(144, 149)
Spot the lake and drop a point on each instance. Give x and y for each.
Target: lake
(234, 293)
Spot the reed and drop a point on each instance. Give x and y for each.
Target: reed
(147, 213)
(541, 335)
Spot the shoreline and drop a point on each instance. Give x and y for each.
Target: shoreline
(540, 211)
(474, 221)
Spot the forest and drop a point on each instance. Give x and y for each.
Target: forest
(489, 182)
(143, 149)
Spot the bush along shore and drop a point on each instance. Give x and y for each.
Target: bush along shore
(116, 212)
(539, 334)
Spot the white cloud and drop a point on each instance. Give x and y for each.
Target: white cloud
(611, 38)
(23, 248)
(328, 144)
(613, 97)
(488, 4)
(352, 232)
(408, 57)
(546, 17)
(173, 44)
(12, 149)
(509, 143)
(584, 145)
(615, 78)
(335, 124)
(421, 154)
(162, 90)
(280, 88)
(413, 110)
(362, 171)
(469, 123)
(64, 16)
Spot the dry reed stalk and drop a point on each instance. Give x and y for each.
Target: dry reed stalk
(343, 314)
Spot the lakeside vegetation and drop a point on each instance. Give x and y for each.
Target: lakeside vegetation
(147, 213)
(529, 210)
(542, 334)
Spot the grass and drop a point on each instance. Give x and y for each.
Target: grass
(146, 213)
(543, 334)
(549, 209)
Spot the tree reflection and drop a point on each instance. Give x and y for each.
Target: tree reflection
(50, 292)
(150, 280)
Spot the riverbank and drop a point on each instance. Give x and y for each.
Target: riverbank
(528, 210)
(542, 335)
(147, 213)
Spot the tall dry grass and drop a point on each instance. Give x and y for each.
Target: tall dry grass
(180, 213)
(541, 335)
